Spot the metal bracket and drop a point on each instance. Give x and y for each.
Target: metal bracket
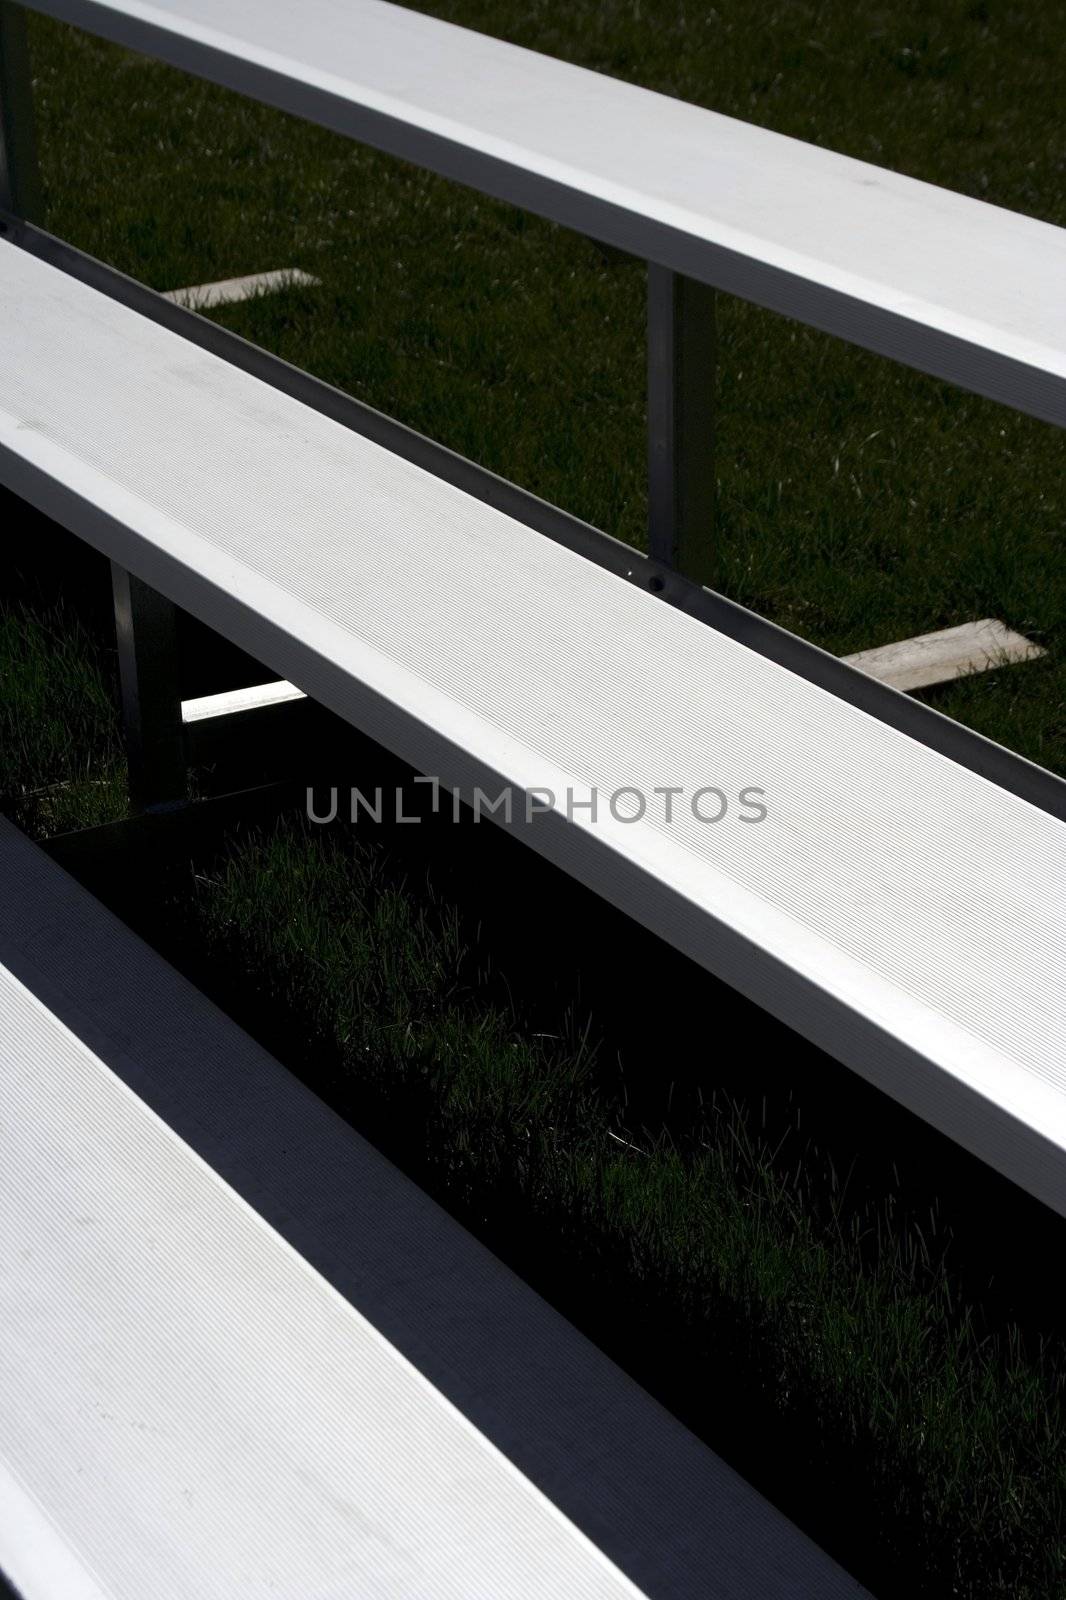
(681, 370)
(146, 631)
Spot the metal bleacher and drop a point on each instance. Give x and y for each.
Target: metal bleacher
(868, 910)
(217, 1413)
(951, 285)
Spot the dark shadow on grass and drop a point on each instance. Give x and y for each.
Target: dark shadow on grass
(671, 1514)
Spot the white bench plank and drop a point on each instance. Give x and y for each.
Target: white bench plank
(198, 1411)
(188, 1409)
(956, 287)
(194, 1409)
(899, 910)
(906, 664)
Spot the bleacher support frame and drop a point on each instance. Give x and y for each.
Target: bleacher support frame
(680, 414)
(680, 366)
(654, 574)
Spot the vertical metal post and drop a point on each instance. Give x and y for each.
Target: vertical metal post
(20, 190)
(681, 483)
(146, 630)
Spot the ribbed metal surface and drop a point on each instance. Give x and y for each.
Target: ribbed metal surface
(188, 1409)
(921, 910)
(959, 288)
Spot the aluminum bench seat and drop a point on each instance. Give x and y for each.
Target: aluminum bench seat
(954, 286)
(242, 1356)
(899, 910)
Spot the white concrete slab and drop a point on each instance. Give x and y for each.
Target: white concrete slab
(233, 700)
(228, 291)
(950, 653)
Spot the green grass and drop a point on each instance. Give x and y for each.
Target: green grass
(61, 760)
(859, 502)
(952, 1437)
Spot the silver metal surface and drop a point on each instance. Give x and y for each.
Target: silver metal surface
(877, 907)
(956, 287)
(188, 1409)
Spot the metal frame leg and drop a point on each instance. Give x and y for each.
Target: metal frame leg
(146, 630)
(681, 368)
(20, 187)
